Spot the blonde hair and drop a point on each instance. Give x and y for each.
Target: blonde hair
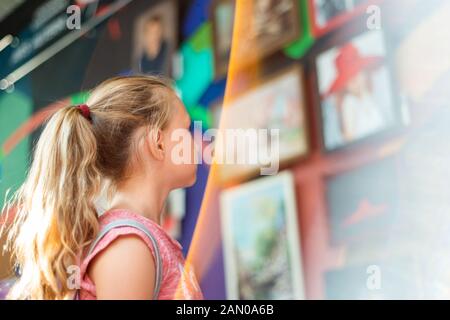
(55, 216)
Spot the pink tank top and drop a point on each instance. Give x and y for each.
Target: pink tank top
(178, 280)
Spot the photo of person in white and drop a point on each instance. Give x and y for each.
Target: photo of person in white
(360, 114)
(355, 90)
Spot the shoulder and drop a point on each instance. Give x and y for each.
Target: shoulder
(121, 264)
(125, 269)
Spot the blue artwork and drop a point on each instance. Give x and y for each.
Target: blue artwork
(197, 14)
(214, 92)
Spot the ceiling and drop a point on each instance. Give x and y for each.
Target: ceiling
(8, 6)
(15, 14)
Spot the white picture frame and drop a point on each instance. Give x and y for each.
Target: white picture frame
(288, 285)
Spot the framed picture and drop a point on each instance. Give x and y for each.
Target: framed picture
(261, 240)
(363, 205)
(355, 90)
(155, 37)
(272, 24)
(275, 106)
(328, 15)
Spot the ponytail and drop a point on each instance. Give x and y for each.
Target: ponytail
(55, 213)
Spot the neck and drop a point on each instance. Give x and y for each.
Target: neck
(141, 195)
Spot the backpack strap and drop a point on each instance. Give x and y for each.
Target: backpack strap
(134, 224)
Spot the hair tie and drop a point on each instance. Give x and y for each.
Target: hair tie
(85, 111)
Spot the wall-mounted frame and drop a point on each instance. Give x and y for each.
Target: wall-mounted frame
(267, 205)
(355, 89)
(270, 26)
(278, 103)
(155, 37)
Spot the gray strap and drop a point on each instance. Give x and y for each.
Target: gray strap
(134, 224)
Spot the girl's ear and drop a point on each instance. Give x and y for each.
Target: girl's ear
(156, 144)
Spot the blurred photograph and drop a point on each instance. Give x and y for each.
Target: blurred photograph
(155, 36)
(356, 97)
(272, 24)
(277, 103)
(268, 204)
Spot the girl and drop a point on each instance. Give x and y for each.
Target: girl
(120, 140)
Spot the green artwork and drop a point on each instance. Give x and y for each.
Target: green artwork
(197, 65)
(201, 39)
(15, 108)
(299, 47)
